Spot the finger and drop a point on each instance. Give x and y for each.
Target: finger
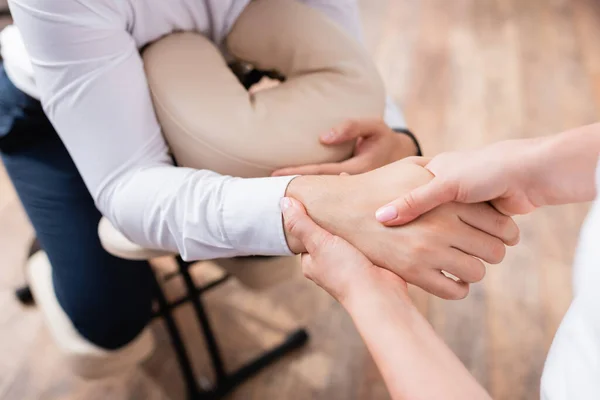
(420, 161)
(353, 165)
(513, 205)
(487, 219)
(463, 266)
(479, 244)
(354, 129)
(434, 282)
(312, 169)
(301, 226)
(416, 203)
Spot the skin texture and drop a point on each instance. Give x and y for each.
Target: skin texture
(413, 361)
(376, 145)
(452, 238)
(517, 176)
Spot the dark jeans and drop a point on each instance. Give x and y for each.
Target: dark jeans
(108, 299)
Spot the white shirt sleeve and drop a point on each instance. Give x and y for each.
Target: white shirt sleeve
(94, 91)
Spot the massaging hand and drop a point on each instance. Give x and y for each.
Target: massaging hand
(499, 173)
(451, 238)
(403, 345)
(377, 145)
(330, 261)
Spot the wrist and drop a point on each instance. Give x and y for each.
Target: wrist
(375, 287)
(409, 142)
(310, 191)
(534, 171)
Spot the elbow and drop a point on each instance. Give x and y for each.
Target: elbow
(114, 207)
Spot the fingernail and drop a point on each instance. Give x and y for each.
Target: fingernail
(386, 213)
(329, 136)
(285, 203)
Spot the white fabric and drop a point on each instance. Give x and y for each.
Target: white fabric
(572, 369)
(82, 356)
(89, 76)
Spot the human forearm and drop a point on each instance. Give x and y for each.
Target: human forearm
(515, 176)
(562, 168)
(198, 214)
(414, 362)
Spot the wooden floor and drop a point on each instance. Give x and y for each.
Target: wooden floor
(467, 72)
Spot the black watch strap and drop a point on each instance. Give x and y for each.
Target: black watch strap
(408, 133)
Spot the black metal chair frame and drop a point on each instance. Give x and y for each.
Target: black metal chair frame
(224, 381)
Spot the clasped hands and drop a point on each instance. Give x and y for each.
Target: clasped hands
(452, 238)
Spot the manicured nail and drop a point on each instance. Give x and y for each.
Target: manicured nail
(328, 137)
(285, 203)
(386, 213)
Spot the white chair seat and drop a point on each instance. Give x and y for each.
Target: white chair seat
(118, 245)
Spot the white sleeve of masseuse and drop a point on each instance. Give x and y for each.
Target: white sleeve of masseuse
(347, 14)
(94, 91)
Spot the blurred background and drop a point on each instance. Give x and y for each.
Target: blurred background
(467, 73)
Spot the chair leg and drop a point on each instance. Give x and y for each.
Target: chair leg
(224, 382)
(293, 341)
(193, 390)
(209, 337)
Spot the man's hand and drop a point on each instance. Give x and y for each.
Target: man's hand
(377, 145)
(330, 261)
(452, 238)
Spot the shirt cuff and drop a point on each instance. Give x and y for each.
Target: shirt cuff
(252, 218)
(392, 116)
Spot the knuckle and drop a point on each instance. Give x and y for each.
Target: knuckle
(477, 272)
(456, 292)
(408, 202)
(347, 127)
(419, 249)
(291, 223)
(502, 222)
(497, 252)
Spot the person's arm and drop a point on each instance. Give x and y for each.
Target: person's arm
(517, 176)
(413, 361)
(381, 141)
(94, 91)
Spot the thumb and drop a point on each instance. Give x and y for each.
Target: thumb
(301, 226)
(416, 202)
(351, 130)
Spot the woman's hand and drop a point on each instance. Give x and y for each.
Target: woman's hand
(516, 176)
(414, 362)
(453, 238)
(331, 262)
(501, 173)
(377, 145)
